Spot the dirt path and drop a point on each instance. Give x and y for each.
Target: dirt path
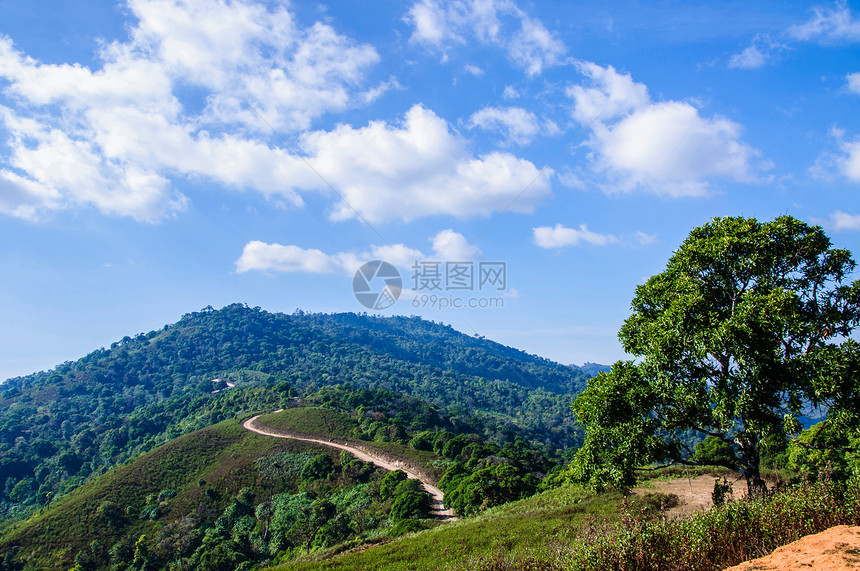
(693, 493)
(365, 455)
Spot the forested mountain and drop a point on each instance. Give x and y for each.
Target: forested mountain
(60, 427)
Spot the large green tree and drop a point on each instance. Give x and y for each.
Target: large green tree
(745, 330)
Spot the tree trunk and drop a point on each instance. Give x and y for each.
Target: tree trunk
(750, 465)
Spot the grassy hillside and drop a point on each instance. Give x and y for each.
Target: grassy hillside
(313, 421)
(571, 529)
(327, 423)
(539, 523)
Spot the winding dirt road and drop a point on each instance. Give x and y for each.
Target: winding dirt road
(365, 455)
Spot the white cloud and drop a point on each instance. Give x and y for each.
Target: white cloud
(611, 95)
(662, 147)
(841, 221)
(274, 257)
(835, 24)
(762, 51)
(510, 92)
(646, 239)
(846, 163)
(397, 254)
(453, 246)
(853, 82)
(113, 137)
(849, 163)
(431, 24)
(518, 125)
(447, 245)
(534, 47)
(751, 58)
(473, 70)
(559, 236)
(419, 168)
(442, 25)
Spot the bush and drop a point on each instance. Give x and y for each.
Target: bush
(319, 467)
(715, 452)
(410, 504)
(406, 526)
(389, 483)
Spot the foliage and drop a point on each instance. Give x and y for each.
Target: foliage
(824, 451)
(274, 500)
(484, 475)
(721, 537)
(62, 427)
(544, 521)
(747, 325)
(714, 451)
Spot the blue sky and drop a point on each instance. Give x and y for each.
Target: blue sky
(158, 156)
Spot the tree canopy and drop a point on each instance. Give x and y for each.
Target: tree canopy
(745, 331)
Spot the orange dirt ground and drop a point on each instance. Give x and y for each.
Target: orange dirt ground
(836, 549)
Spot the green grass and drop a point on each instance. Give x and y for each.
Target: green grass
(223, 455)
(311, 420)
(324, 422)
(568, 529)
(545, 520)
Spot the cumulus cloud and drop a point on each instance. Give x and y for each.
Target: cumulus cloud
(453, 246)
(443, 25)
(559, 236)
(447, 245)
(665, 147)
(275, 257)
(609, 96)
(418, 168)
(113, 137)
(835, 24)
(840, 221)
(118, 137)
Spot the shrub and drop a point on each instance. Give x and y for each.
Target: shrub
(723, 536)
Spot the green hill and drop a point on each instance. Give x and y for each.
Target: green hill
(60, 428)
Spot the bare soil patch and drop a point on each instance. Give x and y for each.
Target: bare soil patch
(835, 549)
(694, 493)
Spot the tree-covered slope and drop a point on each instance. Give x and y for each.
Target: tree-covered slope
(61, 427)
(218, 498)
(224, 497)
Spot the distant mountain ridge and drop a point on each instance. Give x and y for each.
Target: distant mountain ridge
(59, 427)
